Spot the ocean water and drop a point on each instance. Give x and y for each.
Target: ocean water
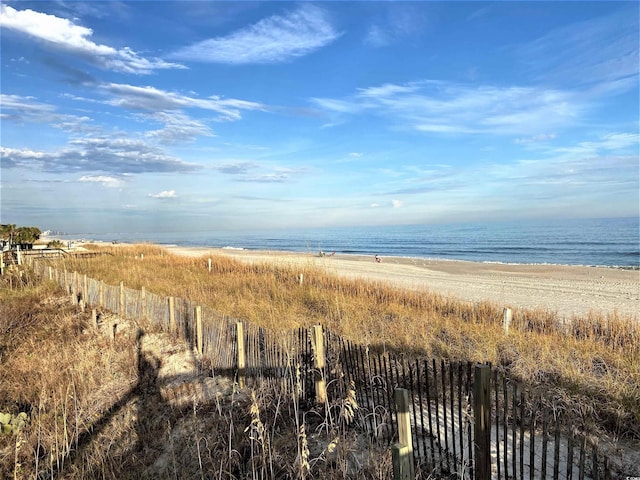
(613, 242)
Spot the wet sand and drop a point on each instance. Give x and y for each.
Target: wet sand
(567, 290)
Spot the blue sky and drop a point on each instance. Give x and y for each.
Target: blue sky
(194, 115)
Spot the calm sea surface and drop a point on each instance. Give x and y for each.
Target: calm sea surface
(611, 242)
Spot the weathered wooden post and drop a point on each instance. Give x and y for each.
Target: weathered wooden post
(50, 272)
(122, 304)
(317, 343)
(94, 317)
(143, 302)
(301, 278)
(101, 293)
(85, 288)
(199, 340)
(209, 265)
(72, 289)
(242, 357)
(506, 319)
(172, 315)
(402, 452)
(482, 422)
(19, 255)
(74, 284)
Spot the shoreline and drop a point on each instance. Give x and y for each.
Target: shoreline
(567, 290)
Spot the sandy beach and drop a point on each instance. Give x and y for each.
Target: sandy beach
(567, 290)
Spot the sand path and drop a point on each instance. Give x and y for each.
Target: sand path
(567, 290)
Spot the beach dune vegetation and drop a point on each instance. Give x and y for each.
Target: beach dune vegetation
(595, 359)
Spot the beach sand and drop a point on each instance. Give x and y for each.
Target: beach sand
(566, 290)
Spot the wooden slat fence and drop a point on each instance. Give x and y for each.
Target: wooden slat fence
(532, 437)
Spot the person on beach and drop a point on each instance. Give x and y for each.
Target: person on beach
(378, 259)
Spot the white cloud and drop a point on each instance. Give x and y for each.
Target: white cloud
(397, 203)
(271, 40)
(355, 154)
(19, 153)
(60, 33)
(601, 50)
(178, 127)
(543, 137)
(119, 156)
(154, 100)
(164, 194)
(402, 20)
(447, 107)
(26, 109)
(105, 181)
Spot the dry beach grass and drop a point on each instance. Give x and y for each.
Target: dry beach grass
(597, 361)
(595, 371)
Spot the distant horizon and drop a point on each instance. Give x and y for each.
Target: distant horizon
(204, 115)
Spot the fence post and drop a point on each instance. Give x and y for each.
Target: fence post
(94, 318)
(122, 305)
(317, 343)
(241, 354)
(172, 315)
(506, 319)
(402, 452)
(209, 265)
(101, 293)
(143, 301)
(199, 342)
(482, 422)
(18, 254)
(50, 273)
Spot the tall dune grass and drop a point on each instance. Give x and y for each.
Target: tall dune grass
(93, 411)
(595, 360)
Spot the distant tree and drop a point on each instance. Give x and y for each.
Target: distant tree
(26, 235)
(6, 230)
(9, 232)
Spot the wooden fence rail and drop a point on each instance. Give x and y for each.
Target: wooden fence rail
(510, 434)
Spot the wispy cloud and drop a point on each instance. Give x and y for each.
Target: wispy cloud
(236, 168)
(22, 109)
(446, 107)
(178, 128)
(104, 180)
(164, 194)
(254, 172)
(62, 34)
(152, 99)
(277, 175)
(603, 50)
(402, 20)
(606, 166)
(543, 137)
(275, 39)
(117, 156)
